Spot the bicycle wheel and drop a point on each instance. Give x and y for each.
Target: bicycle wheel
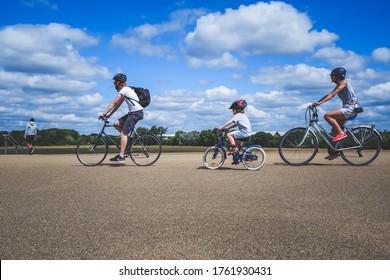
(213, 157)
(294, 149)
(253, 158)
(92, 150)
(371, 146)
(145, 149)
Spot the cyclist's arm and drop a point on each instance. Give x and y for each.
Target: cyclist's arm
(329, 96)
(114, 105)
(225, 125)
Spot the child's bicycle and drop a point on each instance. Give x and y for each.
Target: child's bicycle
(144, 149)
(299, 146)
(252, 157)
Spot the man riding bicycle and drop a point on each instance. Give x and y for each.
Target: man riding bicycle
(126, 123)
(338, 117)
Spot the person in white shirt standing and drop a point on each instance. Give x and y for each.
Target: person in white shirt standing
(30, 134)
(126, 123)
(241, 120)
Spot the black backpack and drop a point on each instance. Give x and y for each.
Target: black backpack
(143, 96)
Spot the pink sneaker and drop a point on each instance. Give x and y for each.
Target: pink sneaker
(339, 136)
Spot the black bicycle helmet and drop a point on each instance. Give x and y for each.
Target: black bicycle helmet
(339, 71)
(120, 77)
(238, 104)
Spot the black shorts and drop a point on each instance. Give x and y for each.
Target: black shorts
(30, 139)
(128, 122)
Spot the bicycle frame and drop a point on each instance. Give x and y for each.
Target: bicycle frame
(222, 143)
(317, 129)
(103, 134)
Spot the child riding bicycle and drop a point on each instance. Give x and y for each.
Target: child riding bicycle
(239, 119)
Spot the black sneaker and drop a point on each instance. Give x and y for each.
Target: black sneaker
(118, 158)
(32, 151)
(332, 157)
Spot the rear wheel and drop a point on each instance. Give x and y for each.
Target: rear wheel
(92, 150)
(253, 158)
(370, 149)
(213, 157)
(145, 149)
(298, 146)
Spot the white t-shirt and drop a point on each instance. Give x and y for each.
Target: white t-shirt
(131, 99)
(243, 122)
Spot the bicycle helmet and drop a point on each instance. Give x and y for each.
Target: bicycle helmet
(120, 77)
(238, 104)
(339, 71)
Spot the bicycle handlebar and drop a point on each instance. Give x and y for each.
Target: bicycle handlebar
(311, 114)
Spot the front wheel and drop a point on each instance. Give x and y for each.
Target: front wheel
(145, 149)
(370, 148)
(213, 157)
(91, 150)
(253, 158)
(298, 146)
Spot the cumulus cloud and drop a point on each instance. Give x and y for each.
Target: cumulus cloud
(299, 77)
(47, 49)
(226, 60)
(41, 68)
(262, 28)
(381, 55)
(379, 92)
(144, 39)
(339, 57)
(221, 93)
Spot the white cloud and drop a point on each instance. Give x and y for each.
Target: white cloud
(226, 60)
(379, 92)
(43, 74)
(47, 49)
(221, 93)
(261, 28)
(299, 77)
(256, 113)
(381, 55)
(339, 57)
(145, 39)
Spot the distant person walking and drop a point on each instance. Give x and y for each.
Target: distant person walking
(30, 134)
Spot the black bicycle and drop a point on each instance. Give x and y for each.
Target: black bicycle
(144, 149)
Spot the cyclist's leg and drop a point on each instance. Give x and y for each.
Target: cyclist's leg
(335, 118)
(118, 125)
(129, 125)
(232, 141)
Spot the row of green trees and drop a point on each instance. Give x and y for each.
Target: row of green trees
(55, 136)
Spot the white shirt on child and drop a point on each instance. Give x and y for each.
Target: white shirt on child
(243, 122)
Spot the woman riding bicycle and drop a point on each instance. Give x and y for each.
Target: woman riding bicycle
(338, 117)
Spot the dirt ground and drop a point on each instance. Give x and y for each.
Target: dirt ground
(52, 207)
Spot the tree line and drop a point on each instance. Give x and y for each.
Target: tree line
(56, 137)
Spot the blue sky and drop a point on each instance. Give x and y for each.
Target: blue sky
(57, 59)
